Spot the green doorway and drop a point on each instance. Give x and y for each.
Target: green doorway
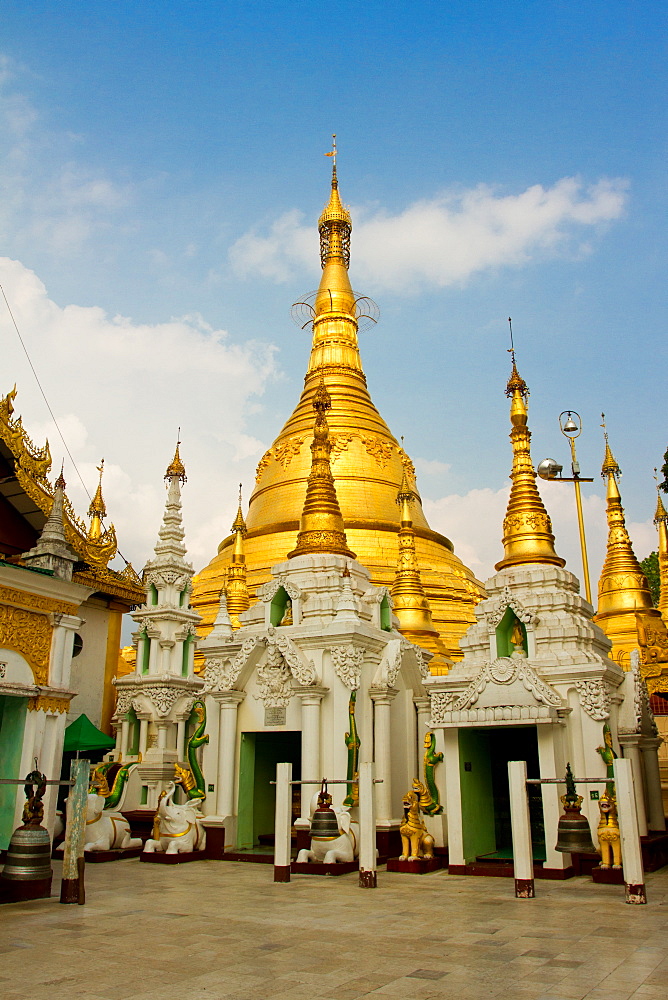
(485, 794)
(259, 755)
(12, 726)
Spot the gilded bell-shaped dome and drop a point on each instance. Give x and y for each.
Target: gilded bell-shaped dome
(367, 462)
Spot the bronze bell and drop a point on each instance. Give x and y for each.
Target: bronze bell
(27, 872)
(573, 832)
(324, 825)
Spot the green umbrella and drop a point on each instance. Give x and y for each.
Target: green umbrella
(83, 735)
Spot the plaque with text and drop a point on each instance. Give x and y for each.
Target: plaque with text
(275, 716)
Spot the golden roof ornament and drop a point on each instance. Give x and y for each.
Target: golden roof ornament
(236, 586)
(176, 468)
(97, 510)
(527, 528)
(321, 526)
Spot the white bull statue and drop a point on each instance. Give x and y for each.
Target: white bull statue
(105, 831)
(326, 847)
(178, 829)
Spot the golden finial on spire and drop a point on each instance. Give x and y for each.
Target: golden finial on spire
(97, 510)
(410, 603)
(60, 481)
(610, 466)
(321, 526)
(527, 529)
(236, 588)
(335, 224)
(176, 468)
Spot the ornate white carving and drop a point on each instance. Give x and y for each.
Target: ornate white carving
(347, 662)
(219, 674)
(441, 703)
(284, 661)
(420, 660)
(278, 643)
(162, 697)
(521, 670)
(503, 670)
(641, 702)
(594, 698)
(509, 600)
(163, 577)
(270, 589)
(124, 702)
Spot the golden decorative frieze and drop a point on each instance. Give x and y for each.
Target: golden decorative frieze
(377, 448)
(37, 602)
(339, 444)
(49, 703)
(37, 461)
(286, 451)
(28, 633)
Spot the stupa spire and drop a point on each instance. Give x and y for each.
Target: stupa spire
(408, 596)
(97, 510)
(236, 587)
(661, 521)
(321, 526)
(52, 550)
(527, 528)
(622, 587)
(170, 549)
(334, 311)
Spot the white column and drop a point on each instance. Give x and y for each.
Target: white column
(367, 813)
(310, 699)
(453, 798)
(634, 877)
(227, 747)
(547, 759)
(180, 738)
(382, 736)
(520, 823)
(650, 758)
(125, 734)
(283, 828)
(143, 736)
(162, 734)
(57, 649)
(631, 751)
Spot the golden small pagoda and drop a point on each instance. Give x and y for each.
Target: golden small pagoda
(410, 603)
(625, 609)
(527, 528)
(661, 522)
(367, 461)
(236, 589)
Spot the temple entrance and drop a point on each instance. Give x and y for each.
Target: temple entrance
(12, 725)
(259, 755)
(485, 794)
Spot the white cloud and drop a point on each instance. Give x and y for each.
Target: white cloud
(446, 239)
(47, 197)
(431, 466)
(473, 521)
(120, 390)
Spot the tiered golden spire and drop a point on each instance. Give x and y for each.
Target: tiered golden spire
(97, 510)
(334, 319)
(321, 527)
(661, 521)
(410, 602)
(236, 588)
(527, 529)
(622, 587)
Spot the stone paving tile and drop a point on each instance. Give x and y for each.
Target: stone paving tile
(224, 931)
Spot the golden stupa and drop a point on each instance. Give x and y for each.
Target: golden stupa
(367, 461)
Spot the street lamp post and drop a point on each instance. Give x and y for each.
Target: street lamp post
(570, 424)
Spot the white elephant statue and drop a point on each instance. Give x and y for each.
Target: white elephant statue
(177, 829)
(105, 831)
(325, 849)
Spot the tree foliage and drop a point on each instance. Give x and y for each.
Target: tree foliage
(650, 567)
(663, 485)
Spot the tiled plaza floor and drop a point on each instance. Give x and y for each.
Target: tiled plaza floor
(223, 931)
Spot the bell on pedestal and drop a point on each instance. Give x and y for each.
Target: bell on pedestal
(324, 825)
(573, 832)
(27, 872)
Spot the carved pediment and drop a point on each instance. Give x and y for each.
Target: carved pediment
(510, 600)
(506, 690)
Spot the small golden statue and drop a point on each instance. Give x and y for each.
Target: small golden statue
(609, 837)
(517, 641)
(416, 843)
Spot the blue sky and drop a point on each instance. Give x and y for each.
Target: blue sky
(162, 176)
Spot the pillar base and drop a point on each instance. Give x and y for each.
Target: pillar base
(635, 893)
(368, 880)
(281, 873)
(524, 888)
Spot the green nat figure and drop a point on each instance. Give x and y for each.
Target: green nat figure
(609, 756)
(430, 803)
